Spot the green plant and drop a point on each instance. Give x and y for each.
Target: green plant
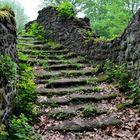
(88, 33)
(120, 75)
(8, 68)
(88, 111)
(66, 9)
(38, 31)
(20, 129)
(53, 45)
(3, 133)
(60, 115)
(26, 88)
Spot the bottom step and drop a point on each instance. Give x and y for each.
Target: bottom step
(85, 124)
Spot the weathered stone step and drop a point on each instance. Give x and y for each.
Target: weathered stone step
(92, 97)
(85, 124)
(33, 46)
(51, 62)
(65, 82)
(66, 112)
(42, 74)
(30, 41)
(32, 52)
(38, 47)
(66, 66)
(76, 98)
(27, 39)
(62, 91)
(42, 53)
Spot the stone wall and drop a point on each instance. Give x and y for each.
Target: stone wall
(7, 47)
(70, 33)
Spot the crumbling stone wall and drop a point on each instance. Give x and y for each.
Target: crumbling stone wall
(7, 47)
(70, 33)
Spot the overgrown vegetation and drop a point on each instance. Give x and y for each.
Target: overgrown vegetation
(19, 129)
(121, 77)
(108, 18)
(8, 68)
(60, 115)
(37, 31)
(66, 9)
(26, 87)
(88, 111)
(20, 16)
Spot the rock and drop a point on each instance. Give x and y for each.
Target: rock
(88, 125)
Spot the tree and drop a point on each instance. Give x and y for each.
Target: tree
(78, 4)
(21, 18)
(108, 17)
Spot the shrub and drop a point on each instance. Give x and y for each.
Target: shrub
(20, 129)
(8, 68)
(89, 111)
(26, 88)
(3, 133)
(66, 9)
(38, 31)
(120, 75)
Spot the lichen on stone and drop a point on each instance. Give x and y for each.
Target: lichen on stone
(7, 16)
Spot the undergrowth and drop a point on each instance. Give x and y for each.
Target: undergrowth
(120, 75)
(37, 31)
(66, 9)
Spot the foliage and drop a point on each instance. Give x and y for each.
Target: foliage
(53, 45)
(3, 133)
(108, 17)
(119, 74)
(88, 111)
(88, 33)
(38, 31)
(66, 9)
(20, 15)
(60, 115)
(20, 129)
(8, 68)
(77, 4)
(26, 87)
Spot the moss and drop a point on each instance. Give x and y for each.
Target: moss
(7, 16)
(53, 45)
(88, 111)
(103, 78)
(124, 105)
(60, 115)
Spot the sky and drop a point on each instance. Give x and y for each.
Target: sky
(31, 8)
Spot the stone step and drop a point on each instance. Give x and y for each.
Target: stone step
(98, 96)
(63, 91)
(43, 74)
(29, 40)
(77, 98)
(51, 61)
(85, 124)
(33, 46)
(66, 112)
(65, 82)
(43, 53)
(32, 52)
(66, 67)
(26, 37)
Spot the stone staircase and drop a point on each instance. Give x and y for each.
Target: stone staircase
(71, 96)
